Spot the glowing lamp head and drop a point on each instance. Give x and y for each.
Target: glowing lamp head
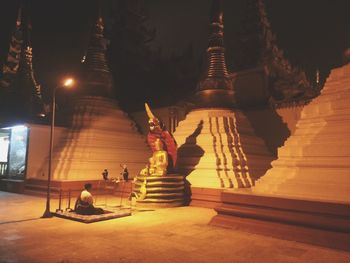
(68, 82)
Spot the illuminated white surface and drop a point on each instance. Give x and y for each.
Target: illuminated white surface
(220, 149)
(315, 161)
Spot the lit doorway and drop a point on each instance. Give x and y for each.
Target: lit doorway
(13, 152)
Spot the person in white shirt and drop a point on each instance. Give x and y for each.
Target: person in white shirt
(85, 203)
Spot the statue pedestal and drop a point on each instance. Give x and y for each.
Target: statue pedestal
(160, 191)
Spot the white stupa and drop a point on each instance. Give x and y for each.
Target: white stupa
(315, 161)
(217, 145)
(101, 134)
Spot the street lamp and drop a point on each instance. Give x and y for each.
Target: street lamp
(66, 84)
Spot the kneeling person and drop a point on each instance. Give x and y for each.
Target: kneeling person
(84, 204)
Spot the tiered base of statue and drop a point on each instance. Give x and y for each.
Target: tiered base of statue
(101, 137)
(314, 163)
(219, 149)
(160, 191)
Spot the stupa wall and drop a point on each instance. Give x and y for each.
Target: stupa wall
(38, 149)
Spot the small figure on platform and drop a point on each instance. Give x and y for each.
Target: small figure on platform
(125, 172)
(105, 174)
(84, 204)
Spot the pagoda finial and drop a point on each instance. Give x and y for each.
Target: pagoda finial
(215, 90)
(99, 11)
(19, 17)
(216, 49)
(99, 23)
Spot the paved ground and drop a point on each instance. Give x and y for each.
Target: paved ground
(165, 235)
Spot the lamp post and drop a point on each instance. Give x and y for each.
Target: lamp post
(67, 83)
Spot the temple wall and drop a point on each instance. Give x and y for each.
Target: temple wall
(38, 149)
(273, 126)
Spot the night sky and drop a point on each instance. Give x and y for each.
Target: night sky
(313, 33)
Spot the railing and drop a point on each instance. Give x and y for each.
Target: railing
(104, 196)
(3, 168)
(65, 199)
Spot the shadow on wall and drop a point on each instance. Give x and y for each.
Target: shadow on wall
(189, 155)
(252, 94)
(269, 126)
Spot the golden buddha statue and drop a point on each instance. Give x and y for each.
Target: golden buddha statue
(154, 186)
(158, 163)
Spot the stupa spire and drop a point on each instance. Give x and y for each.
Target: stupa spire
(19, 17)
(18, 73)
(96, 73)
(31, 87)
(215, 90)
(27, 83)
(95, 57)
(216, 49)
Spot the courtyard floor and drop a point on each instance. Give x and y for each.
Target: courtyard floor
(164, 235)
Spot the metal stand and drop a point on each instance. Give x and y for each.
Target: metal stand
(59, 209)
(121, 194)
(68, 208)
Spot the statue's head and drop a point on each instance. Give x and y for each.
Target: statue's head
(158, 144)
(154, 124)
